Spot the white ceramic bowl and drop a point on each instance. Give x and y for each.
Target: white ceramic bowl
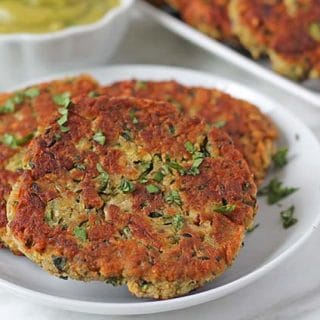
(25, 56)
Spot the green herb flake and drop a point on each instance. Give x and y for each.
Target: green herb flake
(176, 166)
(140, 85)
(275, 191)
(63, 99)
(103, 177)
(32, 92)
(93, 94)
(254, 227)
(126, 134)
(314, 31)
(173, 197)
(177, 222)
(154, 215)
(132, 114)
(220, 124)
(14, 142)
(59, 262)
(287, 217)
(224, 208)
(158, 176)
(280, 157)
(80, 233)
(80, 166)
(99, 137)
(115, 281)
(126, 232)
(10, 104)
(126, 186)
(153, 189)
(189, 147)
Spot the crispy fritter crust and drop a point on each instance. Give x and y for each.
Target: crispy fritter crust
(252, 132)
(208, 16)
(28, 116)
(287, 31)
(130, 208)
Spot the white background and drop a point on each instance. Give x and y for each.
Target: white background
(292, 291)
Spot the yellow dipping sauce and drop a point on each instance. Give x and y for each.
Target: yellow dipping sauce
(41, 16)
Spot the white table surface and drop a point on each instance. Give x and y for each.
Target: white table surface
(292, 290)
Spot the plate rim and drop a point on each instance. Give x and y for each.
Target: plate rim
(148, 307)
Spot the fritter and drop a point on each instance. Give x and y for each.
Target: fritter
(22, 113)
(252, 131)
(208, 16)
(132, 192)
(287, 31)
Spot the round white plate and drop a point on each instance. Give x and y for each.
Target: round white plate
(266, 247)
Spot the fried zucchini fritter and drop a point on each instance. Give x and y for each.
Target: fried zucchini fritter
(288, 31)
(208, 16)
(130, 191)
(21, 115)
(252, 131)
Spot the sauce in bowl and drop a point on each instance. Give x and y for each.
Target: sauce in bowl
(42, 16)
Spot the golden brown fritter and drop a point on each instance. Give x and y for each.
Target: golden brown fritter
(22, 113)
(130, 191)
(288, 31)
(208, 16)
(252, 132)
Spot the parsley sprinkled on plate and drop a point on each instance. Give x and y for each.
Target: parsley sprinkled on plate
(80, 233)
(280, 157)
(288, 220)
(275, 191)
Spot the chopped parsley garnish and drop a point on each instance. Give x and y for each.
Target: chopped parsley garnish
(10, 104)
(32, 92)
(197, 158)
(114, 281)
(151, 188)
(126, 186)
(190, 147)
(133, 117)
(140, 85)
(177, 222)
(64, 101)
(80, 166)
(176, 166)
(173, 197)
(172, 129)
(220, 124)
(224, 208)
(155, 214)
(103, 177)
(99, 137)
(158, 176)
(287, 217)
(59, 262)
(314, 31)
(254, 227)
(126, 232)
(280, 157)
(126, 134)
(93, 94)
(80, 233)
(14, 142)
(146, 167)
(275, 191)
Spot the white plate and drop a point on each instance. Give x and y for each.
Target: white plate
(259, 69)
(266, 247)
